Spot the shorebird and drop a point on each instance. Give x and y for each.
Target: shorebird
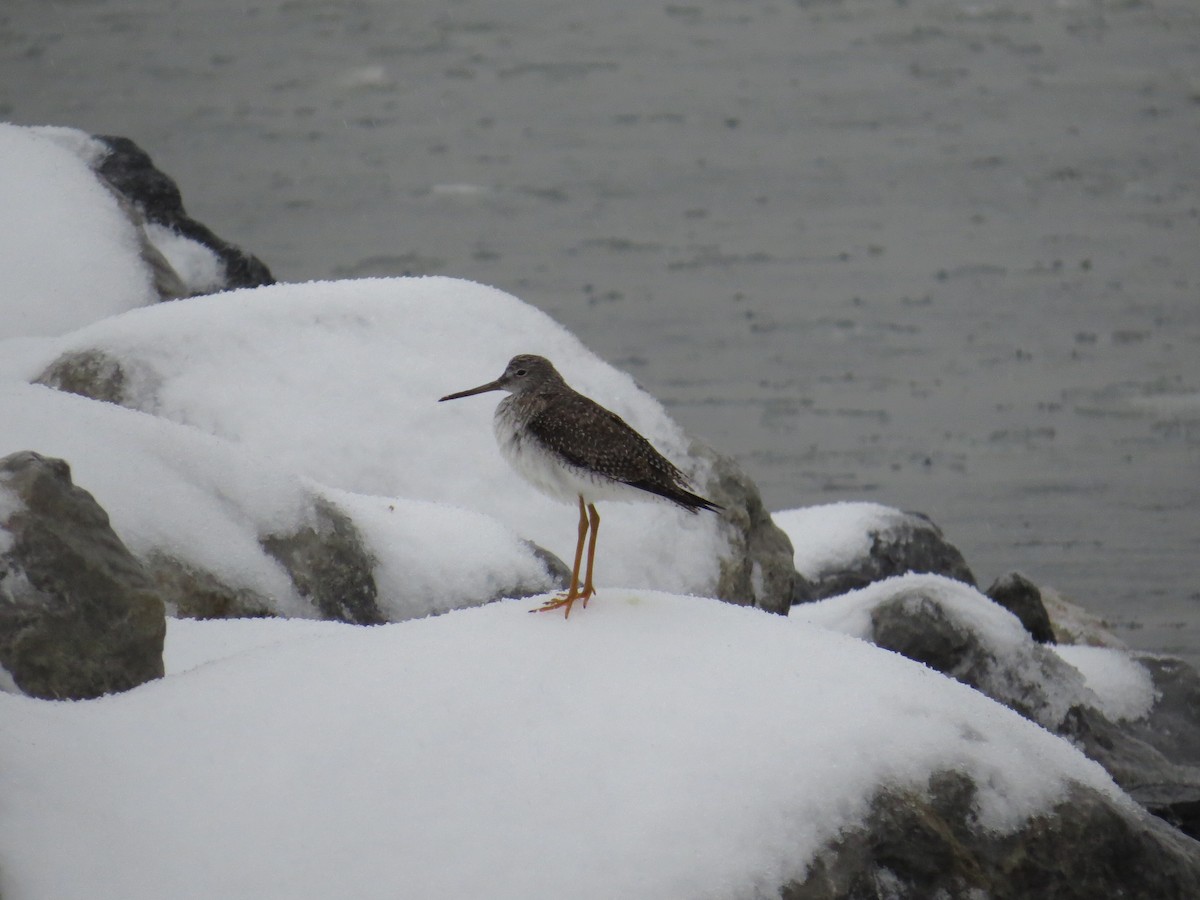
(573, 449)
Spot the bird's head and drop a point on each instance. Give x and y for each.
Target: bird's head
(524, 372)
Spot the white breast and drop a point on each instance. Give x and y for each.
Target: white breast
(548, 472)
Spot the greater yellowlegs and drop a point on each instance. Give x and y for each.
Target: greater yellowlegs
(572, 448)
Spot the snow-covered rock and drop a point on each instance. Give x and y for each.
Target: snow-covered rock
(1100, 699)
(282, 453)
(92, 228)
(224, 531)
(69, 253)
(660, 747)
(203, 262)
(339, 381)
(840, 547)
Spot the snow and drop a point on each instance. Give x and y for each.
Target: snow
(431, 558)
(850, 613)
(262, 400)
(339, 382)
(1124, 687)
(1107, 679)
(172, 490)
(655, 746)
(831, 536)
(198, 267)
(69, 254)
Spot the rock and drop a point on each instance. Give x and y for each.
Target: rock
(841, 547)
(1166, 788)
(188, 592)
(329, 565)
(132, 174)
(917, 845)
(1072, 624)
(1173, 728)
(1173, 725)
(758, 570)
(1156, 758)
(328, 562)
(88, 373)
(557, 570)
(754, 557)
(78, 615)
(1021, 597)
(917, 621)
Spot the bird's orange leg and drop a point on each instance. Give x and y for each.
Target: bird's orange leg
(588, 589)
(572, 594)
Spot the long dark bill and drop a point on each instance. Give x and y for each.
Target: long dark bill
(482, 389)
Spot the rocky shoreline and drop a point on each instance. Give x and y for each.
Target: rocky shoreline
(82, 616)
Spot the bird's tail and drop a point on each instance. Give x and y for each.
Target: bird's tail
(695, 503)
(689, 501)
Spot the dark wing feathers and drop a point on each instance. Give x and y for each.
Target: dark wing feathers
(587, 435)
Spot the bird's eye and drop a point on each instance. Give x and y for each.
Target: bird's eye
(520, 372)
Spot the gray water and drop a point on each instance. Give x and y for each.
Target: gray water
(941, 255)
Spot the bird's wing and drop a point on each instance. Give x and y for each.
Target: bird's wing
(589, 436)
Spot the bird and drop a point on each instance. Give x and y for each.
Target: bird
(572, 449)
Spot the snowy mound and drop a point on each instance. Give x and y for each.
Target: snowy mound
(838, 547)
(208, 505)
(339, 382)
(490, 753)
(69, 254)
(957, 630)
(833, 536)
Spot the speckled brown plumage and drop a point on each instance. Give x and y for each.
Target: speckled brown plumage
(587, 436)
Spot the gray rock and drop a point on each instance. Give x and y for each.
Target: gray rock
(191, 593)
(758, 571)
(1021, 597)
(927, 844)
(1169, 789)
(1027, 677)
(132, 174)
(329, 566)
(88, 373)
(900, 542)
(1173, 729)
(78, 616)
(559, 572)
(1156, 760)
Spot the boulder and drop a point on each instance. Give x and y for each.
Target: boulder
(1172, 727)
(400, 446)
(88, 373)
(78, 616)
(327, 560)
(917, 845)
(759, 570)
(1072, 624)
(1154, 755)
(129, 170)
(329, 565)
(841, 547)
(916, 621)
(1021, 597)
(189, 592)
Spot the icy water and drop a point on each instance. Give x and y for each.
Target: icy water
(941, 255)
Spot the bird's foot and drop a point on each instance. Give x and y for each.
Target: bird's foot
(565, 602)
